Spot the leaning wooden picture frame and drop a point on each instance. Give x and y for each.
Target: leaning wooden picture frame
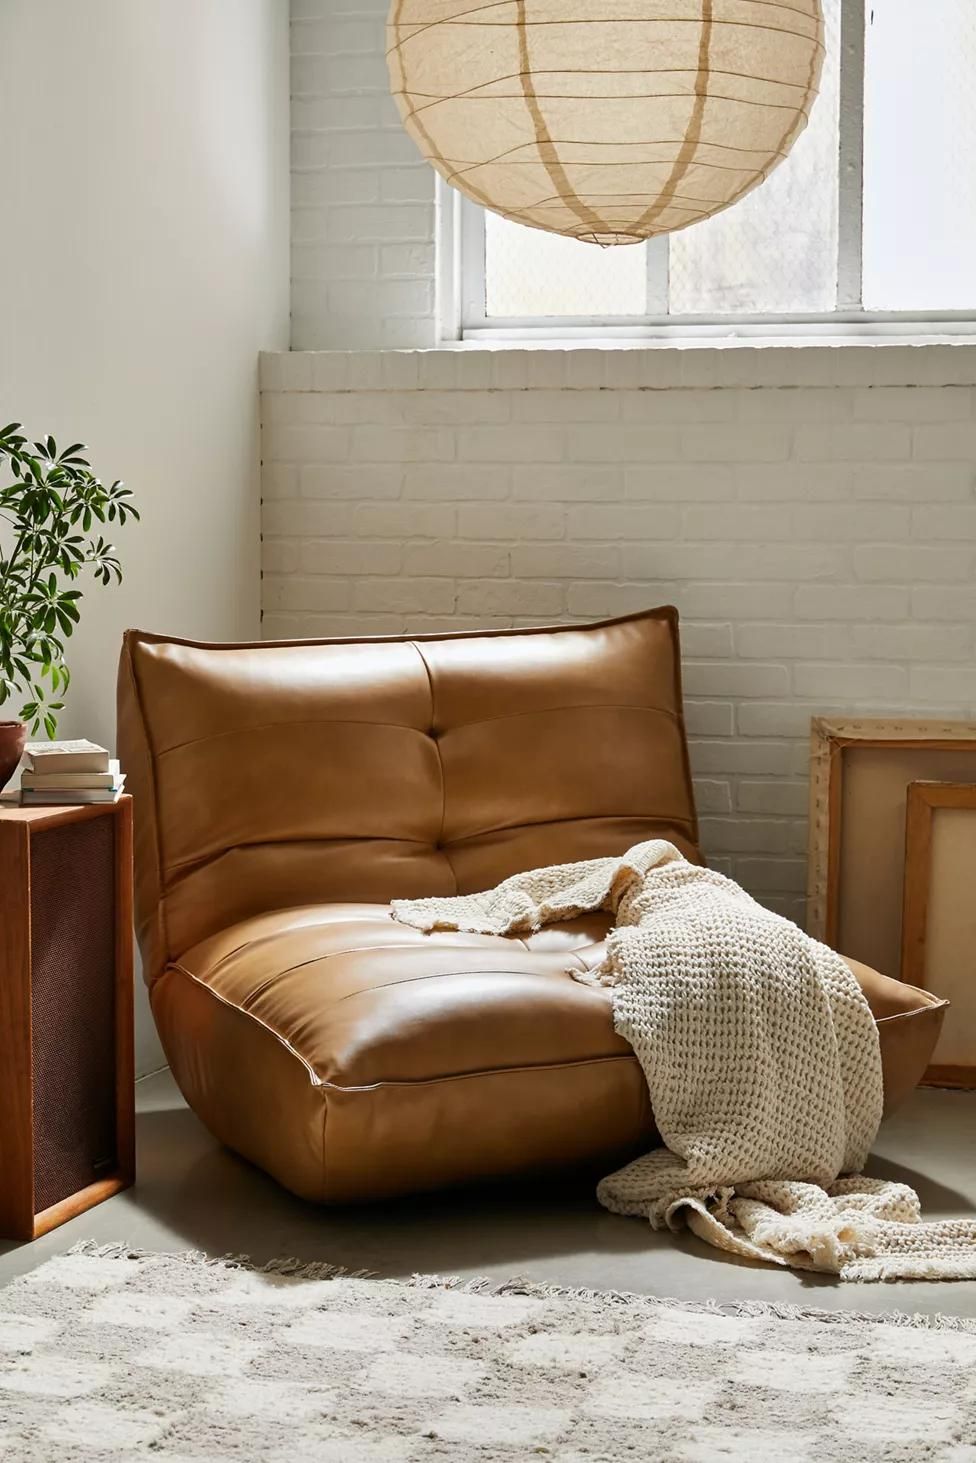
(938, 947)
(860, 771)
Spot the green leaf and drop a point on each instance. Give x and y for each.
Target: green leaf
(49, 504)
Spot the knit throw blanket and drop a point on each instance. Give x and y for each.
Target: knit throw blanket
(762, 1062)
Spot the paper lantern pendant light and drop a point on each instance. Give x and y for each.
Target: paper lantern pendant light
(606, 120)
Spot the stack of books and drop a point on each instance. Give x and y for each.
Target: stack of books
(59, 773)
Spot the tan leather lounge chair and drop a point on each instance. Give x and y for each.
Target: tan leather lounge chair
(285, 792)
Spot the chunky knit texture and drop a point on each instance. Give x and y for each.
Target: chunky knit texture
(762, 1063)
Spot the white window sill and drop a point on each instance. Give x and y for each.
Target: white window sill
(715, 339)
(785, 362)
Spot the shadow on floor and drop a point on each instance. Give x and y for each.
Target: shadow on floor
(204, 1193)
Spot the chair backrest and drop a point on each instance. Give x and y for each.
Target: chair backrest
(273, 775)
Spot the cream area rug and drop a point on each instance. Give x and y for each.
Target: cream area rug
(114, 1354)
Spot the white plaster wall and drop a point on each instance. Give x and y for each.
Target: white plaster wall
(143, 265)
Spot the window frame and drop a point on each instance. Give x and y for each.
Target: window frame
(461, 285)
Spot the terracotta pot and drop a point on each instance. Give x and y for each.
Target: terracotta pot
(13, 736)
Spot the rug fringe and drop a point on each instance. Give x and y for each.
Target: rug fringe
(781, 1310)
(288, 1266)
(520, 1286)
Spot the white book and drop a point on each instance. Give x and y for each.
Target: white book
(79, 756)
(52, 799)
(39, 780)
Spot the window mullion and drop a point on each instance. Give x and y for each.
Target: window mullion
(850, 203)
(472, 286)
(657, 253)
(448, 262)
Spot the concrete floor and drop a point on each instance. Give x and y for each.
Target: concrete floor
(193, 1194)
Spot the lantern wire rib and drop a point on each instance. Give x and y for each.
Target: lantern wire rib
(598, 142)
(655, 162)
(656, 96)
(776, 30)
(552, 165)
(603, 71)
(618, 197)
(689, 147)
(459, 168)
(613, 20)
(461, 18)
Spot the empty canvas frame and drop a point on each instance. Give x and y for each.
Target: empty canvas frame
(859, 777)
(939, 923)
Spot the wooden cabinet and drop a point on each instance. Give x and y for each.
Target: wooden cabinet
(67, 1096)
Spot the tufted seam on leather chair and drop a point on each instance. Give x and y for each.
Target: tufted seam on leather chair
(666, 819)
(253, 996)
(368, 990)
(271, 725)
(439, 842)
(323, 959)
(176, 871)
(563, 711)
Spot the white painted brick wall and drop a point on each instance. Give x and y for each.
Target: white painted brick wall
(812, 513)
(362, 197)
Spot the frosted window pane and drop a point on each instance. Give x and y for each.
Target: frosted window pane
(775, 252)
(528, 272)
(920, 156)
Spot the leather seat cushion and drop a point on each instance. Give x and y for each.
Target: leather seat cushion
(354, 1057)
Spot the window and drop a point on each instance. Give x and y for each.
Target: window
(871, 220)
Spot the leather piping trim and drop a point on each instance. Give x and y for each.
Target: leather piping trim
(679, 702)
(325, 1085)
(161, 954)
(937, 1004)
(659, 612)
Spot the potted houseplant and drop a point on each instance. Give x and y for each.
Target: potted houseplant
(50, 519)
